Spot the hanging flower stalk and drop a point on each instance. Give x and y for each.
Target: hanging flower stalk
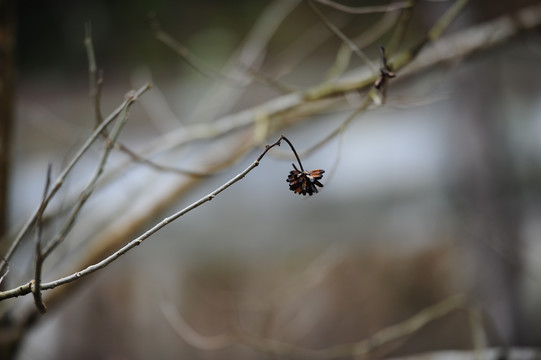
(303, 181)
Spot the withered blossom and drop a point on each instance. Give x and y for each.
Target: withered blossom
(304, 181)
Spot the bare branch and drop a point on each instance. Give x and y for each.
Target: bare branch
(250, 54)
(188, 57)
(127, 225)
(337, 131)
(302, 47)
(478, 333)
(155, 104)
(269, 81)
(36, 283)
(25, 289)
(388, 20)
(455, 46)
(96, 85)
(6, 271)
(60, 180)
(199, 65)
(400, 29)
(406, 56)
(368, 37)
(90, 187)
(399, 5)
(342, 36)
(92, 68)
(287, 104)
(95, 79)
(159, 167)
(448, 17)
(340, 129)
(386, 70)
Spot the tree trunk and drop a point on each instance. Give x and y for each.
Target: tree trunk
(7, 97)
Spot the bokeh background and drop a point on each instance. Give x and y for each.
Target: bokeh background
(434, 194)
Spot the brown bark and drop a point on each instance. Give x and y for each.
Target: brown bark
(7, 97)
(8, 335)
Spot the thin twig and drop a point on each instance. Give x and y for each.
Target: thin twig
(97, 99)
(199, 65)
(399, 5)
(250, 54)
(60, 180)
(454, 46)
(409, 326)
(448, 17)
(387, 21)
(39, 256)
(301, 47)
(367, 346)
(405, 57)
(286, 104)
(155, 104)
(363, 40)
(95, 79)
(400, 30)
(294, 152)
(92, 68)
(188, 57)
(6, 271)
(478, 335)
(340, 129)
(90, 187)
(269, 81)
(433, 34)
(159, 167)
(342, 36)
(25, 289)
(128, 223)
(96, 85)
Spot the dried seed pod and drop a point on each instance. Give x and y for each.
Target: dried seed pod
(304, 182)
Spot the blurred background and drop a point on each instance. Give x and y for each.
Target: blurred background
(433, 194)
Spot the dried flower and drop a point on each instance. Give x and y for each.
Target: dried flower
(304, 182)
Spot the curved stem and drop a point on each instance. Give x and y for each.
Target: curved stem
(294, 151)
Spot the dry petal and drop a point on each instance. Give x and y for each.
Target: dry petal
(304, 182)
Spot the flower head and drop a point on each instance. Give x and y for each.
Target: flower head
(304, 182)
